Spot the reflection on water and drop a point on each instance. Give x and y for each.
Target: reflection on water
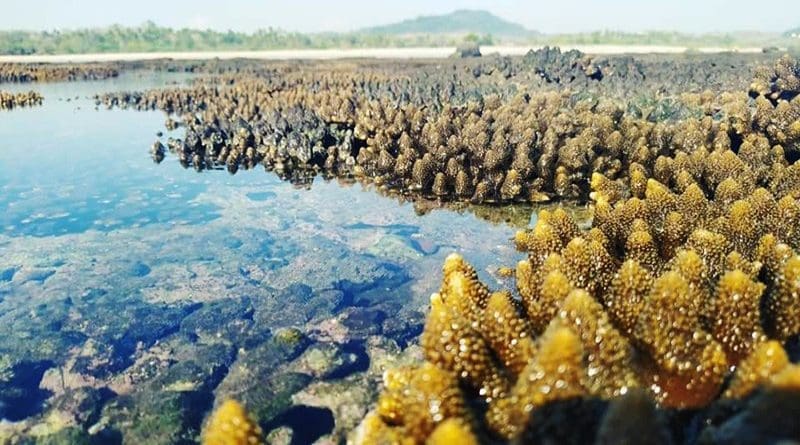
(133, 295)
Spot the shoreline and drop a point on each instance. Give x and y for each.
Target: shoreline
(356, 53)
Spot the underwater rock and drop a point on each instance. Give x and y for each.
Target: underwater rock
(8, 273)
(229, 319)
(331, 361)
(255, 380)
(394, 248)
(633, 418)
(20, 395)
(138, 269)
(767, 416)
(34, 275)
(363, 322)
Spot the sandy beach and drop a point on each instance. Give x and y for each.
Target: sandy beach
(354, 53)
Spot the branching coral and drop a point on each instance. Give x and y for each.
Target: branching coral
(766, 360)
(231, 425)
(9, 101)
(420, 131)
(610, 313)
(416, 400)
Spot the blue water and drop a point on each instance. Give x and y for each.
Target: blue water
(105, 257)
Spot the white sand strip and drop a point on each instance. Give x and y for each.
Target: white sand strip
(355, 53)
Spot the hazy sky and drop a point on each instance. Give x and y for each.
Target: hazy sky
(344, 15)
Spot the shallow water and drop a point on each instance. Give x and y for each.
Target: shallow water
(122, 280)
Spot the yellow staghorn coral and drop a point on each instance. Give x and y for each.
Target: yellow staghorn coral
(691, 363)
(772, 255)
(604, 188)
(588, 265)
(507, 331)
(625, 299)
(728, 191)
(461, 289)
(641, 248)
(543, 305)
(637, 179)
(783, 304)
(764, 208)
(608, 356)
(743, 229)
(231, 425)
(374, 431)
(693, 269)
(539, 242)
(663, 293)
(450, 342)
(674, 233)
(563, 224)
(788, 218)
(555, 373)
(692, 204)
(736, 320)
(735, 261)
(659, 201)
(712, 248)
(416, 399)
(766, 359)
(452, 431)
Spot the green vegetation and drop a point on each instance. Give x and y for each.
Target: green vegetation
(444, 30)
(151, 38)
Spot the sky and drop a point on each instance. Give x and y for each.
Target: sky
(695, 16)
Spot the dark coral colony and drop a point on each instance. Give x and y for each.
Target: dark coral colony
(672, 317)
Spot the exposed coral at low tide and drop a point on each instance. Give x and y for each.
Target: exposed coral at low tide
(52, 72)
(678, 298)
(10, 101)
(491, 138)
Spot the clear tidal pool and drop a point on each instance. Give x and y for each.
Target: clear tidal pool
(134, 295)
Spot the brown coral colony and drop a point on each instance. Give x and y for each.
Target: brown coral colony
(685, 291)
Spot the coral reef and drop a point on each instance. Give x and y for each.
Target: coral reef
(669, 301)
(493, 138)
(10, 101)
(52, 72)
(672, 316)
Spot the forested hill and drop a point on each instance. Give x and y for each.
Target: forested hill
(463, 21)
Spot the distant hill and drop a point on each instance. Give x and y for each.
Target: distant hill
(462, 21)
(792, 32)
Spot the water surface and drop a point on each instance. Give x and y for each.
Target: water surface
(148, 292)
